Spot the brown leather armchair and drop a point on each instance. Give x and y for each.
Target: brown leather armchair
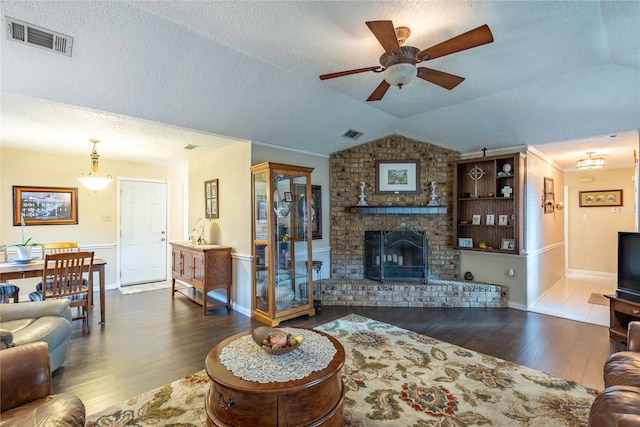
(26, 399)
(619, 403)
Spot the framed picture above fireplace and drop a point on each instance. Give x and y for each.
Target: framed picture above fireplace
(397, 176)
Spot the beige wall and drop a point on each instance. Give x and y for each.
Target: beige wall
(230, 166)
(544, 232)
(593, 231)
(20, 167)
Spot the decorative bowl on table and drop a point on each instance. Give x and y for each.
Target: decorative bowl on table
(276, 341)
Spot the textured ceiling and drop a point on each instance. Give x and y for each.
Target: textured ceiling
(149, 77)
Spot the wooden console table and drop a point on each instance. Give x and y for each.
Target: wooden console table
(621, 312)
(314, 400)
(205, 267)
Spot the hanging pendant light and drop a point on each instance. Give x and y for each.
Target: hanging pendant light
(94, 181)
(591, 162)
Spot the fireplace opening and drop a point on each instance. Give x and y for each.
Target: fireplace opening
(395, 255)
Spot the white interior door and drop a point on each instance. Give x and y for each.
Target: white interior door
(143, 232)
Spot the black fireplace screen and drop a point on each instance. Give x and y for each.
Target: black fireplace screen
(395, 255)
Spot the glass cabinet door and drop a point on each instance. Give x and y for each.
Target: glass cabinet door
(281, 244)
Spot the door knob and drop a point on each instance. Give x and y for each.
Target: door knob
(163, 239)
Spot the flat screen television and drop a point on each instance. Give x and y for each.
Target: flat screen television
(628, 266)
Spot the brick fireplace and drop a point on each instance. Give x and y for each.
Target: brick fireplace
(347, 284)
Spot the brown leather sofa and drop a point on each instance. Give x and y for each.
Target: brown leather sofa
(619, 403)
(25, 397)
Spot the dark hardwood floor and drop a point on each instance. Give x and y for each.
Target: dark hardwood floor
(150, 339)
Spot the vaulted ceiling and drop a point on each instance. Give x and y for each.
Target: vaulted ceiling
(149, 77)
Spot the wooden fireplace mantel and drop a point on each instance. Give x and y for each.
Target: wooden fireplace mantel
(398, 210)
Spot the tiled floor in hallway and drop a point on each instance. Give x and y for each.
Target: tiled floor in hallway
(569, 298)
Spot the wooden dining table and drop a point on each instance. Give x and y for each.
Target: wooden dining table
(13, 270)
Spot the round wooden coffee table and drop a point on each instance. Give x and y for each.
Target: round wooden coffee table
(311, 401)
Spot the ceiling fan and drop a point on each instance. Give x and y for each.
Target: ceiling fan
(399, 62)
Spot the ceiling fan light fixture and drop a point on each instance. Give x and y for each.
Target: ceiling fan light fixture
(591, 162)
(94, 181)
(400, 74)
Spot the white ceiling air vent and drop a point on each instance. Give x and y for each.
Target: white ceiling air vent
(23, 32)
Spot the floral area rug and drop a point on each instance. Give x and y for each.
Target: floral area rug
(396, 377)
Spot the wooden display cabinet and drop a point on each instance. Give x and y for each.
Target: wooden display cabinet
(489, 204)
(205, 268)
(282, 280)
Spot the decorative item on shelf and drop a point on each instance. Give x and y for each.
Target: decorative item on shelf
(506, 191)
(491, 219)
(503, 220)
(465, 242)
(490, 194)
(94, 181)
(507, 244)
(284, 294)
(363, 197)
(506, 170)
(280, 207)
(482, 245)
(468, 276)
(475, 174)
(475, 220)
(434, 196)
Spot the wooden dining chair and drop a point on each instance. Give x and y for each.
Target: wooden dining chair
(63, 276)
(60, 247)
(8, 291)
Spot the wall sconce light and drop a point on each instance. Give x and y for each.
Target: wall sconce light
(94, 181)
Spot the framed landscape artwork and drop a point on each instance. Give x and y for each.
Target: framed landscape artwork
(600, 198)
(45, 205)
(398, 176)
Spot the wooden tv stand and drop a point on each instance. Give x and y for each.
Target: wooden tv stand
(621, 312)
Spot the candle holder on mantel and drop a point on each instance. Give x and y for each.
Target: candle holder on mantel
(434, 196)
(363, 198)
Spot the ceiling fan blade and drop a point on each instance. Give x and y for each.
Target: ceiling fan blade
(477, 37)
(440, 78)
(349, 72)
(379, 92)
(386, 35)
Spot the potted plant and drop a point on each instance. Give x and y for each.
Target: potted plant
(24, 248)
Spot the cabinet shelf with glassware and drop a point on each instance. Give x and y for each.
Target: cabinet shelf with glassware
(282, 280)
(489, 204)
